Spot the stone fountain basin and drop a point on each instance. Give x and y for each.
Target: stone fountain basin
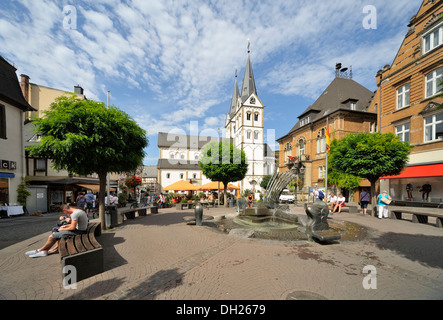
(264, 218)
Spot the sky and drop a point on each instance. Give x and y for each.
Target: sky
(170, 64)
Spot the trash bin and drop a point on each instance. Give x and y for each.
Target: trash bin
(111, 216)
(231, 202)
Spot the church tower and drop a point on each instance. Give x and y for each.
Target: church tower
(245, 125)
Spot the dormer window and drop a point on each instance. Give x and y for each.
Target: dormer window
(433, 39)
(304, 121)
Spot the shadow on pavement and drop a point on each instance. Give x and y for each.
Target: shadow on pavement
(427, 250)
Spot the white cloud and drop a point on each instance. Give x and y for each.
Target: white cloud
(182, 55)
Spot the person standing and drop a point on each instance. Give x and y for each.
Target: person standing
(382, 206)
(364, 201)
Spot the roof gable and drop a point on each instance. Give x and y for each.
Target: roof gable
(10, 90)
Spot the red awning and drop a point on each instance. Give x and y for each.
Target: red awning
(434, 170)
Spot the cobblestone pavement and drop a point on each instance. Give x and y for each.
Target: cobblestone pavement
(160, 257)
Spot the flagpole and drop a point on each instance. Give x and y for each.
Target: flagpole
(107, 175)
(327, 157)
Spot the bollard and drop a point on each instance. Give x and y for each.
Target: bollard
(198, 214)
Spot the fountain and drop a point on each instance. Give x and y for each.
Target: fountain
(269, 216)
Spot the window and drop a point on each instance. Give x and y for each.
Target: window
(256, 117)
(40, 165)
(171, 156)
(353, 106)
(433, 82)
(248, 116)
(194, 176)
(403, 96)
(288, 152)
(301, 147)
(305, 121)
(403, 131)
(2, 122)
(321, 141)
(248, 135)
(182, 156)
(255, 135)
(182, 176)
(433, 127)
(168, 176)
(433, 39)
(321, 172)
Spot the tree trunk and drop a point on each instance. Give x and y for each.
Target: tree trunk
(101, 199)
(373, 199)
(225, 191)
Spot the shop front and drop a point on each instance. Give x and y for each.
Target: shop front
(422, 183)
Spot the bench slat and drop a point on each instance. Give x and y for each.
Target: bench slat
(71, 246)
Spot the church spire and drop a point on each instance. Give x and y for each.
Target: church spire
(248, 86)
(235, 96)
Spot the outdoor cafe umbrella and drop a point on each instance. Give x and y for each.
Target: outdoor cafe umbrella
(181, 186)
(214, 185)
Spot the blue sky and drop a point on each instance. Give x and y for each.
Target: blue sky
(167, 63)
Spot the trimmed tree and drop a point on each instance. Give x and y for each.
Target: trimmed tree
(223, 162)
(370, 156)
(84, 137)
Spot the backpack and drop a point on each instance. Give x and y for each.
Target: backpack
(321, 195)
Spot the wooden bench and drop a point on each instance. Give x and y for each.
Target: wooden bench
(130, 213)
(83, 252)
(419, 215)
(350, 209)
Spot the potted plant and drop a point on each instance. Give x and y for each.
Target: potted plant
(23, 193)
(122, 199)
(133, 182)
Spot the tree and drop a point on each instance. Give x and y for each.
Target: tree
(265, 181)
(370, 156)
(223, 162)
(84, 137)
(343, 180)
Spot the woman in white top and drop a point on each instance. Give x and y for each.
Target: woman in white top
(340, 203)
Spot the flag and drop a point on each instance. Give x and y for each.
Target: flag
(291, 158)
(328, 140)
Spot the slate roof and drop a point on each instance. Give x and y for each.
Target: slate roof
(337, 96)
(10, 90)
(178, 164)
(180, 141)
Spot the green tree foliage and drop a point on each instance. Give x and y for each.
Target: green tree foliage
(225, 163)
(84, 137)
(265, 181)
(370, 156)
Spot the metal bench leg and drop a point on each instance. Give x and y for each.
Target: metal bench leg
(395, 215)
(416, 218)
(440, 223)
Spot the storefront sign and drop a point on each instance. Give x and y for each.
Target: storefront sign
(8, 165)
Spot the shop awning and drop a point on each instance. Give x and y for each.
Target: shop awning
(434, 170)
(95, 187)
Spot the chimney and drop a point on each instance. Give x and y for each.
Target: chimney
(24, 84)
(78, 90)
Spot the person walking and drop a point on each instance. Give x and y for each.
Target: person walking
(364, 201)
(383, 200)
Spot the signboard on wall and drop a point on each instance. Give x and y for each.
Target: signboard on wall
(8, 165)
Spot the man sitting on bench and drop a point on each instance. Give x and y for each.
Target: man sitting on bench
(78, 225)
